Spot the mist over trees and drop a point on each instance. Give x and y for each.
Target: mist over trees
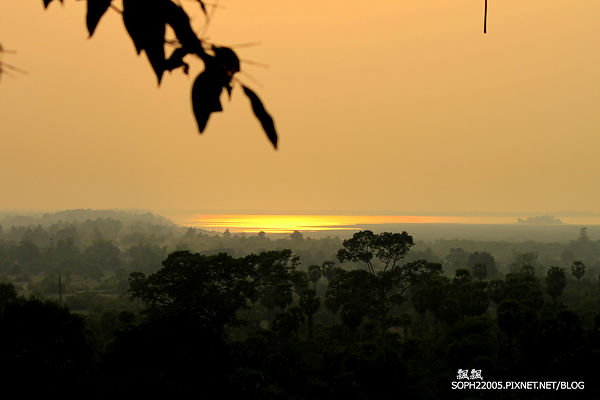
(96, 244)
(143, 313)
(113, 305)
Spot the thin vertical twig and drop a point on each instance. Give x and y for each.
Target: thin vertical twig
(485, 18)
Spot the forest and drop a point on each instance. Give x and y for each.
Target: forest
(382, 106)
(108, 304)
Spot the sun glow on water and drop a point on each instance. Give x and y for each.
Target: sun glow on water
(273, 223)
(312, 223)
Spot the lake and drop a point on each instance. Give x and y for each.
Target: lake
(423, 226)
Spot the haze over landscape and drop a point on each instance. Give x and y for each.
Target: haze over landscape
(394, 108)
(428, 227)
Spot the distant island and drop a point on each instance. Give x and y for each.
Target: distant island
(540, 220)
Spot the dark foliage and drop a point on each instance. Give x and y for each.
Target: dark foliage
(43, 343)
(263, 116)
(95, 11)
(146, 23)
(253, 327)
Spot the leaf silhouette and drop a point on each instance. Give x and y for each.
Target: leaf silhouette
(178, 19)
(95, 11)
(227, 59)
(145, 23)
(47, 2)
(175, 60)
(263, 116)
(206, 95)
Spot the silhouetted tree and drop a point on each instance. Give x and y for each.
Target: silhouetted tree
(278, 294)
(209, 288)
(482, 258)
(583, 249)
(429, 291)
(456, 259)
(583, 236)
(100, 256)
(567, 256)
(496, 291)
(288, 322)
(471, 296)
(28, 255)
(405, 321)
(314, 274)
(309, 303)
(296, 236)
(555, 282)
(8, 294)
(516, 318)
(64, 255)
(334, 297)
(419, 300)
(480, 271)
(145, 257)
(386, 280)
(525, 288)
(327, 268)
(528, 260)
(45, 344)
(578, 270)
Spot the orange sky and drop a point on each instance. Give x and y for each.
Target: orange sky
(381, 105)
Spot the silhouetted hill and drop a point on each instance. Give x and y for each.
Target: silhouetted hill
(127, 217)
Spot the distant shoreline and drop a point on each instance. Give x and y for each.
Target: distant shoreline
(254, 222)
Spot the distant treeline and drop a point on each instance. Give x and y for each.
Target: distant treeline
(93, 244)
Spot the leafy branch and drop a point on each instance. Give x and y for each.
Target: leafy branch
(146, 23)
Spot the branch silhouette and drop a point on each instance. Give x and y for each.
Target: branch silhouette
(485, 17)
(146, 23)
(4, 67)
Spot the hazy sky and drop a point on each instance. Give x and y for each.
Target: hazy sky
(380, 105)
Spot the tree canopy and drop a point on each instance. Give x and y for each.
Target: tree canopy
(251, 326)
